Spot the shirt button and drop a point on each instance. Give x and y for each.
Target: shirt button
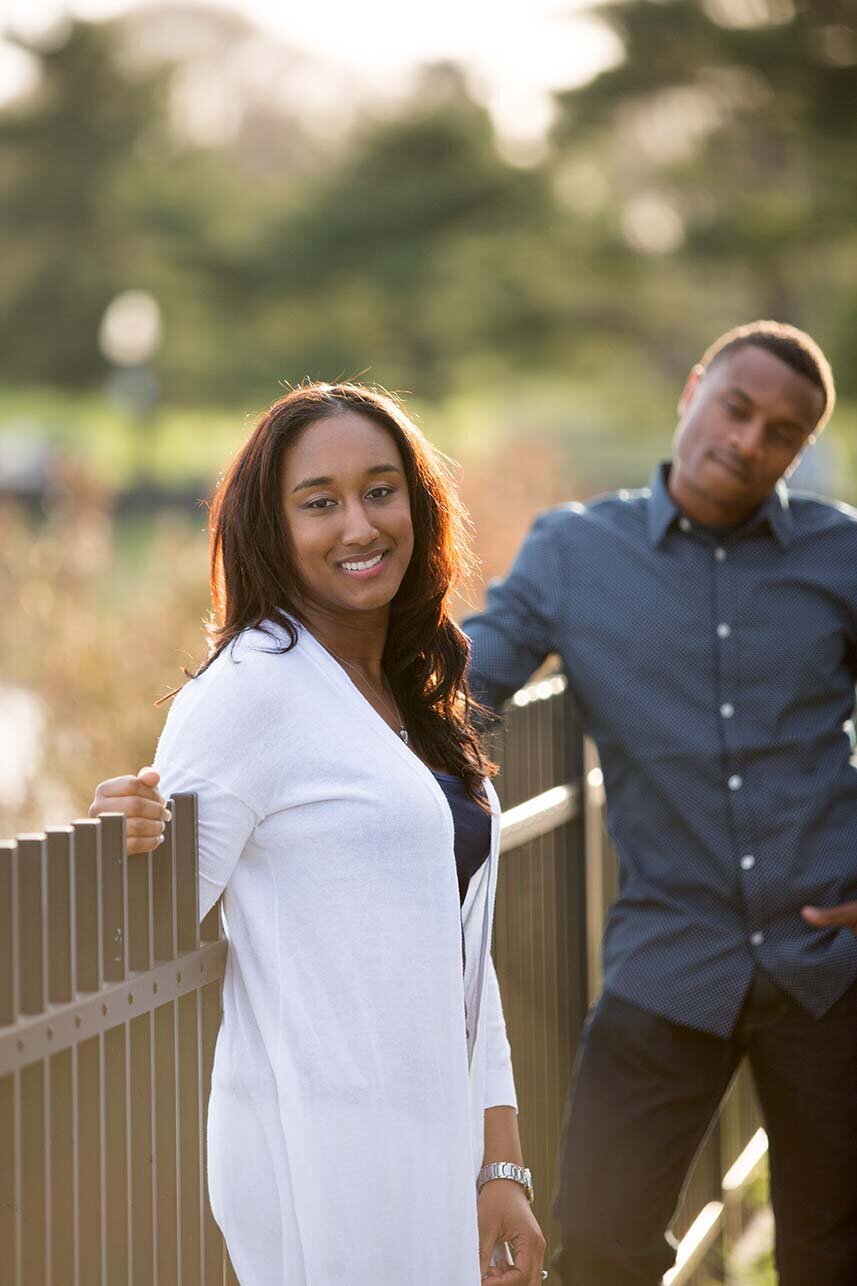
(757, 938)
(720, 554)
(684, 523)
(723, 631)
(736, 781)
(748, 861)
(727, 709)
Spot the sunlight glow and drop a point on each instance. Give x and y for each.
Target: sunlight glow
(514, 52)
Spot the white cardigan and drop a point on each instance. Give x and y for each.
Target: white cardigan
(345, 1123)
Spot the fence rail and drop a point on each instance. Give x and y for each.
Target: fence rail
(109, 1008)
(110, 1005)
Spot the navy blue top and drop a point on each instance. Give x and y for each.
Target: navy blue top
(716, 672)
(472, 829)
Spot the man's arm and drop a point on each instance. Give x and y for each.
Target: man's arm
(843, 916)
(512, 636)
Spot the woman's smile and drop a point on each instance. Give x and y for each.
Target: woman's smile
(365, 568)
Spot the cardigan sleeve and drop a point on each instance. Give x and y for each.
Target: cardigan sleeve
(220, 743)
(499, 1078)
(224, 826)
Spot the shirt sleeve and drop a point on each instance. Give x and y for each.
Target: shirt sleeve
(499, 1078)
(515, 633)
(225, 824)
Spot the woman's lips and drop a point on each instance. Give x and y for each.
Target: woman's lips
(364, 568)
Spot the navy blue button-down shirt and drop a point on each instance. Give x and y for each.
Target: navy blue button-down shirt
(715, 672)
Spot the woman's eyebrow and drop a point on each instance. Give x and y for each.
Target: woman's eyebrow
(313, 482)
(382, 468)
(324, 481)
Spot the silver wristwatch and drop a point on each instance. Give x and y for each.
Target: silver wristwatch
(506, 1170)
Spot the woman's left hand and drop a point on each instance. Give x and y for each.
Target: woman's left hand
(505, 1215)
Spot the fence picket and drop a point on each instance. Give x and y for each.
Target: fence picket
(110, 1007)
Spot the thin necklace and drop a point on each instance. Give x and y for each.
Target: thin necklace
(393, 709)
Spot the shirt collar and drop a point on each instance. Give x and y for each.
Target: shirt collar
(663, 511)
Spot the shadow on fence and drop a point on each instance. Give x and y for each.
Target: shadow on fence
(110, 1004)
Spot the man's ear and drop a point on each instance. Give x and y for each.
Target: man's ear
(690, 386)
(796, 461)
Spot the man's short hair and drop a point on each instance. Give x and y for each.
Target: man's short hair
(792, 346)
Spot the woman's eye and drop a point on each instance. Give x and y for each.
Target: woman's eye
(380, 493)
(322, 503)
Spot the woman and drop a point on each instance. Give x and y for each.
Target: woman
(362, 1073)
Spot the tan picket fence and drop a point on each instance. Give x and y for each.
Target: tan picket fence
(110, 1005)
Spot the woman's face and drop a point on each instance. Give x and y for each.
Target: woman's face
(348, 513)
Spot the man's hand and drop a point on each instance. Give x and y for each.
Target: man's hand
(832, 917)
(145, 810)
(505, 1215)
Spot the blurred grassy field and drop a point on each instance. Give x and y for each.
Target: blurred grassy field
(598, 441)
(101, 613)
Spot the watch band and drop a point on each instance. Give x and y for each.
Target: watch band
(506, 1170)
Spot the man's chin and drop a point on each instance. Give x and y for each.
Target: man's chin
(723, 484)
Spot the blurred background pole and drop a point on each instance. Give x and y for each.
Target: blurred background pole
(129, 338)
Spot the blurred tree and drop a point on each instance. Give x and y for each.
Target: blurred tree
(722, 154)
(706, 179)
(410, 251)
(69, 153)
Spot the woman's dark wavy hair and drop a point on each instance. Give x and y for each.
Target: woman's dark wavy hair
(255, 582)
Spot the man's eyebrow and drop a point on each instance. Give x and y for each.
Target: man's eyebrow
(324, 481)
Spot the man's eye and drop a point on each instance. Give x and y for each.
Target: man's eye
(735, 410)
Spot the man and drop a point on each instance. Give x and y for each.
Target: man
(708, 628)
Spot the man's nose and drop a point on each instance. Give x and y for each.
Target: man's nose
(746, 439)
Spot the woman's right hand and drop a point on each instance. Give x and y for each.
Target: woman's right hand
(145, 810)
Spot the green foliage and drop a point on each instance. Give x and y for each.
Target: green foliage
(66, 221)
(705, 180)
(739, 118)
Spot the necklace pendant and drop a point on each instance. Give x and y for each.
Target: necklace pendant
(403, 733)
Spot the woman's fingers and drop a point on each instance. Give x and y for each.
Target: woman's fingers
(146, 811)
(522, 1274)
(143, 845)
(528, 1250)
(130, 796)
(127, 785)
(144, 827)
(130, 805)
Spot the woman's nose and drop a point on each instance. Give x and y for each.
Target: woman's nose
(359, 528)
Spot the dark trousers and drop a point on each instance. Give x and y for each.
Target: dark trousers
(644, 1093)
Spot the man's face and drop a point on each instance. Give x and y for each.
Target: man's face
(743, 424)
